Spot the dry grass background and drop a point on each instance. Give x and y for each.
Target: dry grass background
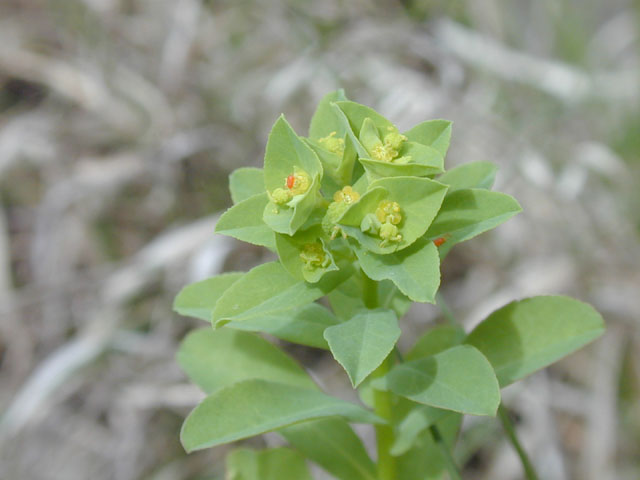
(120, 120)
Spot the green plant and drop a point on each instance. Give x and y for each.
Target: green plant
(355, 214)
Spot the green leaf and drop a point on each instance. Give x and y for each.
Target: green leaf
(530, 334)
(285, 154)
(244, 221)
(356, 114)
(346, 300)
(434, 133)
(361, 344)
(425, 460)
(390, 296)
(304, 325)
(415, 160)
(414, 270)
(470, 212)
(272, 464)
(253, 407)
(459, 379)
(324, 120)
(305, 255)
(268, 289)
(470, 175)
(413, 424)
(214, 359)
(286, 151)
(337, 168)
(246, 182)
(199, 299)
(332, 444)
(436, 340)
(419, 200)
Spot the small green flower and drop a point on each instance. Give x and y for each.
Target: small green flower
(333, 144)
(389, 212)
(297, 183)
(384, 223)
(313, 256)
(342, 199)
(305, 255)
(389, 234)
(386, 152)
(292, 177)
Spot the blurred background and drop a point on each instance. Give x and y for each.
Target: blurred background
(121, 119)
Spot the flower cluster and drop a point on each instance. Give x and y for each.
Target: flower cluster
(356, 185)
(358, 192)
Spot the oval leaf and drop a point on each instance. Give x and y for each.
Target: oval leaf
(425, 460)
(470, 175)
(436, 340)
(199, 299)
(332, 444)
(304, 325)
(470, 212)
(272, 464)
(413, 424)
(246, 182)
(459, 379)
(325, 120)
(530, 334)
(361, 344)
(244, 221)
(434, 133)
(254, 407)
(214, 359)
(268, 289)
(414, 270)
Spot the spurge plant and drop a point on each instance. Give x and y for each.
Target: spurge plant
(360, 215)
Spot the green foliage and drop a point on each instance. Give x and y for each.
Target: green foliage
(362, 343)
(252, 407)
(199, 299)
(355, 215)
(436, 340)
(332, 444)
(244, 222)
(273, 464)
(415, 270)
(459, 378)
(214, 359)
(470, 175)
(303, 325)
(528, 335)
(246, 182)
(268, 289)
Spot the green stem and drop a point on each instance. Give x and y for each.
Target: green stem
(450, 463)
(513, 438)
(370, 292)
(444, 308)
(384, 433)
(382, 402)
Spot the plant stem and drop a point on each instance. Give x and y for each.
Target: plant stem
(444, 308)
(450, 463)
(384, 433)
(513, 438)
(370, 292)
(381, 399)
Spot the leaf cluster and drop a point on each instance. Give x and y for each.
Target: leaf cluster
(362, 214)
